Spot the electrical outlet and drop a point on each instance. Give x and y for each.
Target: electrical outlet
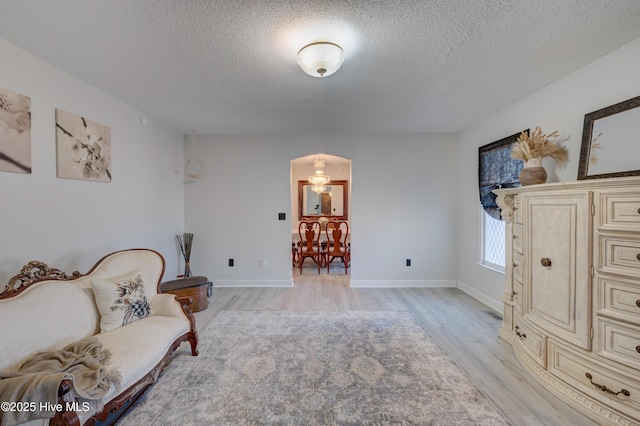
(408, 262)
(230, 262)
(282, 216)
(262, 263)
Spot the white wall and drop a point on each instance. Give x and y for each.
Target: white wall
(403, 206)
(70, 224)
(560, 106)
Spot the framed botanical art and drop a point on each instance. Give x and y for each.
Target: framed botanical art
(15, 132)
(83, 148)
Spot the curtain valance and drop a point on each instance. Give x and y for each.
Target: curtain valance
(496, 169)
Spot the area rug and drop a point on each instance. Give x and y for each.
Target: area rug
(314, 368)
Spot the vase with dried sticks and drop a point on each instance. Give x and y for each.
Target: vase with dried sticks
(185, 241)
(531, 149)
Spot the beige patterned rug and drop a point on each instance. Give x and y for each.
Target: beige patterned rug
(314, 368)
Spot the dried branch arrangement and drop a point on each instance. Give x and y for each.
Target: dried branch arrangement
(185, 241)
(539, 144)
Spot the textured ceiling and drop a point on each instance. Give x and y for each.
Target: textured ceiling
(225, 67)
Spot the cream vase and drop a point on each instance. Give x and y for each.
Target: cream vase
(532, 172)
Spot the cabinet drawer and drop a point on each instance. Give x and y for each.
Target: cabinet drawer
(531, 341)
(620, 210)
(618, 341)
(620, 255)
(517, 237)
(602, 384)
(517, 202)
(518, 259)
(619, 298)
(518, 294)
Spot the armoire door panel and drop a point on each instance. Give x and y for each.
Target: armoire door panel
(556, 267)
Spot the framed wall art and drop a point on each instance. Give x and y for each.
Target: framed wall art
(83, 148)
(611, 141)
(15, 132)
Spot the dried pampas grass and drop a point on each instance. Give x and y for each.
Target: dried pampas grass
(539, 144)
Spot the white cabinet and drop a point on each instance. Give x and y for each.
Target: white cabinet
(572, 292)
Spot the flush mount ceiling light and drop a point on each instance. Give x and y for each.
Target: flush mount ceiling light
(320, 58)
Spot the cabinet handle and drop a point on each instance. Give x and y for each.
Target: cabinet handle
(638, 256)
(545, 261)
(520, 335)
(515, 265)
(639, 211)
(606, 389)
(638, 303)
(638, 349)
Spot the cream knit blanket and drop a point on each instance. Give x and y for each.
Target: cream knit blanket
(37, 380)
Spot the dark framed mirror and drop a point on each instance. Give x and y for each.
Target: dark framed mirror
(610, 142)
(332, 203)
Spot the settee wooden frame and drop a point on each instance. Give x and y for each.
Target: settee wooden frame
(35, 272)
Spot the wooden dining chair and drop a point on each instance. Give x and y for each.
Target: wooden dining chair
(338, 246)
(294, 254)
(309, 244)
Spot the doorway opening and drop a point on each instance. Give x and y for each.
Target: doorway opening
(330, 202)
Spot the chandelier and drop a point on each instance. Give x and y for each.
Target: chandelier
(319, 180)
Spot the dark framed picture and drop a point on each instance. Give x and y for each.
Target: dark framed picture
(611, 141)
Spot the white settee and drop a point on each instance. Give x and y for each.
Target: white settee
(44, 309)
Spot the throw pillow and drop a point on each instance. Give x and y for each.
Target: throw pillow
(121, 301)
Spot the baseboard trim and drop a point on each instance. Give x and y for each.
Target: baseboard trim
(494, 304)
(401, 283)
(253, 283)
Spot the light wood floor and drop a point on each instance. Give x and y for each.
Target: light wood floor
(465, 329)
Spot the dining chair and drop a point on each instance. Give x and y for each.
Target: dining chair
(294, 254)
(309, 244)
(338, 246)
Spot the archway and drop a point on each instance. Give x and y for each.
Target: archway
(337, 200)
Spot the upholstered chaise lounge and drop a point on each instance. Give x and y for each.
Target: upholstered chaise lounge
(116, 307)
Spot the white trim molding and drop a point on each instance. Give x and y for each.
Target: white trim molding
(494, 304)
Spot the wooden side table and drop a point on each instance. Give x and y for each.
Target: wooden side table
(197, 287)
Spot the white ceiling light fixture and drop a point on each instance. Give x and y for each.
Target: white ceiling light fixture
(320, 58)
